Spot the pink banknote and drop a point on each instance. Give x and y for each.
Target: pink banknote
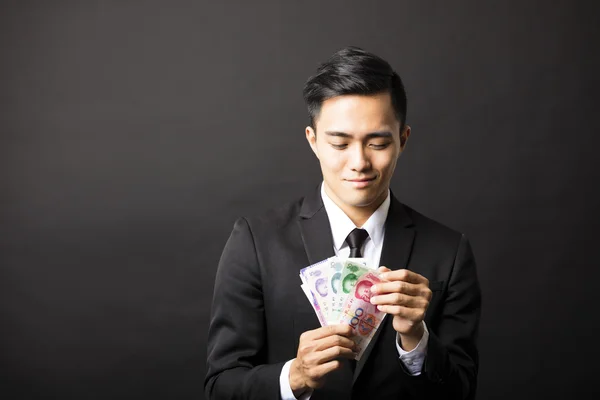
(360, 314)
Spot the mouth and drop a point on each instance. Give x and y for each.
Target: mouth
(361, 182)
(361, 179)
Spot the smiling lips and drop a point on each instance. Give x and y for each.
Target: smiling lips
(360, 183)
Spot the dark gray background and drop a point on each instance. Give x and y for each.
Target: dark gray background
(133, 133)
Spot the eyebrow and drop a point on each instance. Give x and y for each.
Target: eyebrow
(382, 134)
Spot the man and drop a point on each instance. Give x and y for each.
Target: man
(265, 341)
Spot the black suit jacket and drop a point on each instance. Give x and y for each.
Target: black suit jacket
(259, 309)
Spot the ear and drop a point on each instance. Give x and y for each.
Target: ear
(404, 138)
(311, 137)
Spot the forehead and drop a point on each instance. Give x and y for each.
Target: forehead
(356, 114)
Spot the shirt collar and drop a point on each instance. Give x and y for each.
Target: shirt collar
(342, 225)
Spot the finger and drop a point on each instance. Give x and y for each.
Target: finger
(325, 331)
(409, 289)
(342, 330)
(399, 299)
(406, 276)
(332, 341)
(335, 352)
(410, 314)
(383, 269)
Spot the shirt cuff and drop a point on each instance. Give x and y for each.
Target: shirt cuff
(285, 389)
(413, 360)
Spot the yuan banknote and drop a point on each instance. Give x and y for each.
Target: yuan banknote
(314, 303)
(341, 268)
(316, 279)
(360, 314)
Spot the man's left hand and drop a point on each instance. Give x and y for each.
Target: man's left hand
(405, 296)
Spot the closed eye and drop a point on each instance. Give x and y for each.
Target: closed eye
(338, 146)
(379, 146)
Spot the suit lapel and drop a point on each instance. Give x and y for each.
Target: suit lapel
(397, 247)
(315, 228)
(315, 233)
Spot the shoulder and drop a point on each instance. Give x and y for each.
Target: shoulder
(431, 230)
(434, 242)
(275, 218)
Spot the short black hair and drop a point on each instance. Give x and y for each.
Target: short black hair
(353, 70)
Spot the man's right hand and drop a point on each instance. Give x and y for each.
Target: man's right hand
(317, 353)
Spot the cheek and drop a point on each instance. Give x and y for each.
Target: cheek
(385, 164)
(332, 162)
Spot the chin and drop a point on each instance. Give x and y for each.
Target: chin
(361, 199)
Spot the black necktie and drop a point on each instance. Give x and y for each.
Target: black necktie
(355, 240)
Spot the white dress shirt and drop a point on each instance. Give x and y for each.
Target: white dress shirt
(341, 226)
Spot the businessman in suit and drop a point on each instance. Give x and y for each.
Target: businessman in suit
(265, 341)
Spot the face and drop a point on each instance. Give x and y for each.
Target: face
(363, 291)
(357, 142)
(321, 286)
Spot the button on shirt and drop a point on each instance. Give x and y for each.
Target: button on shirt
(341, 226)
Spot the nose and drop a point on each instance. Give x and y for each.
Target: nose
(359, 159)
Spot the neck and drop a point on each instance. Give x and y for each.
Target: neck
(357, 214)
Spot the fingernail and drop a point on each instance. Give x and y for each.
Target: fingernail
(373, 289)
(384, 275)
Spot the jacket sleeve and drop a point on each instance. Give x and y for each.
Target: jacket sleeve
(451, 364)
(236, 357)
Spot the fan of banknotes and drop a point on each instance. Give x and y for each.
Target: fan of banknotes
(339, 289)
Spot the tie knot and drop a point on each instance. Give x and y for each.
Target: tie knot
(355, 240)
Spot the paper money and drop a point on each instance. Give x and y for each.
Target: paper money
(314, 303)
(336, 296)
(316, 278)
(360, 314)
(352, 271)
(339, 289)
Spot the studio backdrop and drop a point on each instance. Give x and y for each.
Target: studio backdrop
(134, 133)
